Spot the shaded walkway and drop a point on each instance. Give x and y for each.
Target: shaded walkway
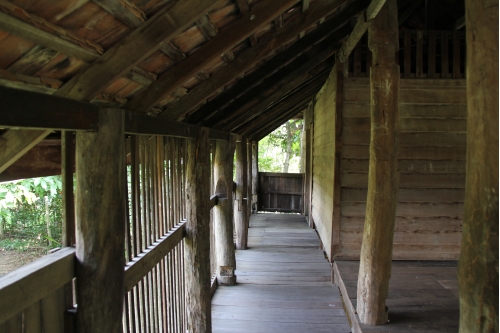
(284, 283)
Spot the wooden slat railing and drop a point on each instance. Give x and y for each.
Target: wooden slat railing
(422, 54)
(32, 295)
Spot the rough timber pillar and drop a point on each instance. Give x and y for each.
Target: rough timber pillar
(223, 211)
(255, 173)
(100, 227)
(383, 176)
(197, 241)
(478, 264)
(249, 180)
(240, 211)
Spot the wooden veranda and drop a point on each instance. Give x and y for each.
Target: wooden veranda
(153, 104)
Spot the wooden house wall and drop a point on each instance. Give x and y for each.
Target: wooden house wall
(431, 164)
(323, 162)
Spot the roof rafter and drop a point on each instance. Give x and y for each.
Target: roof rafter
(261, 14)
(275, 63)
(143, 41)
(251, 56)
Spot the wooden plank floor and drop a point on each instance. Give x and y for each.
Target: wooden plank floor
(284, 283)
(423, 296)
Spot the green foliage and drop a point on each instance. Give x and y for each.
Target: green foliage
(23, 216)
(273, 147)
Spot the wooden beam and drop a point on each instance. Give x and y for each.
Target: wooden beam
(29, 32)
(460, 23)
(41, 161)
(197, 241)
(136, 123)
(142, 42)
(25, 109)
(223, 213)
(137, 268)
(250, 56)
(360, 29)
(240, 217)
(294, 74)
(262, 13)
(306, 90)
(383, 176)
(124, 11)
(477, 267)
(28, 284)
(100, 211)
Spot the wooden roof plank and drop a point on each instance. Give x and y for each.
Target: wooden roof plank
(294, 74)
(167, 23)
(260, 15)
(29, 32)
(251, 56)
(248, 58)
(124, 11)
(307, 89)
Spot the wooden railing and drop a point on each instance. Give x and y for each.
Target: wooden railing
(422, 54)
(40, 296)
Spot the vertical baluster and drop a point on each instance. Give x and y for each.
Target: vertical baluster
(431, 70)
(419, 70)
(445, 70)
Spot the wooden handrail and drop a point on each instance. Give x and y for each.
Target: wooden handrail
(141, 265)
(32, 282)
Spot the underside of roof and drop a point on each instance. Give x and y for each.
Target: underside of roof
(233, 65)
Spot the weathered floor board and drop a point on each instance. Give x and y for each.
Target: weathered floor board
(284, 283)
(423, 296)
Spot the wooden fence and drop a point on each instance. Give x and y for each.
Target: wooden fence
(40, 296)
(280, 192)
(422, 54)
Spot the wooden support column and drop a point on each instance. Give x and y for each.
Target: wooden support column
(68, 198)
(255, 174)
(308, 125)
(240, 217)
(383, 175)
(249, 180)
(478, 264)
(337, 161)
(100, 227)
(223, 211)
(197, 241)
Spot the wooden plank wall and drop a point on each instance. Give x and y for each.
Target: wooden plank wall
(280, 192)
(323, 162)
(431, 163)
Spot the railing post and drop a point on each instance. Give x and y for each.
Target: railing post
(223, 211)
(383, 175)
(100, 230)
(240, 211)
(197, 241)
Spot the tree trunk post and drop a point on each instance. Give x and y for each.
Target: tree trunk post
(249, 180)
(68, 198)
(383, 176)
(100, 230)
(478, 263)
(223, 211)
(197, 241)
(240, 217)
(255, 174)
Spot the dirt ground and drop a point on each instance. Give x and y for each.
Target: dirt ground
(11, 260)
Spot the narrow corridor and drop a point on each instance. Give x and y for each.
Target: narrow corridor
(284, 283)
